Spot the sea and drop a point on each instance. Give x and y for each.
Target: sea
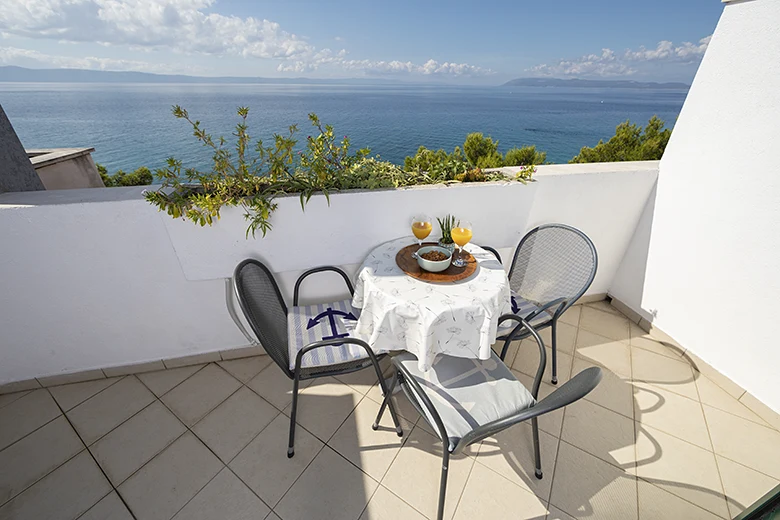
(131, 125)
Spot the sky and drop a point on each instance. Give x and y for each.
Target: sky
(451, 41)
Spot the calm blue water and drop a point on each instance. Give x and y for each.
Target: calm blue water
(131, 125)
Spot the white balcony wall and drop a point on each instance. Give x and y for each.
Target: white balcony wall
(704, 261)
(98, 278)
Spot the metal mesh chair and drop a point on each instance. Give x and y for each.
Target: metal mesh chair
(553, 266)
(264, 308)
(467, 400)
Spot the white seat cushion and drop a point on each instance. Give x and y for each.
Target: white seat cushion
(323, 321)
(523, 308)
(468, 393)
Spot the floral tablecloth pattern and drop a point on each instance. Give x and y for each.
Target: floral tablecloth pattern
(402, 313)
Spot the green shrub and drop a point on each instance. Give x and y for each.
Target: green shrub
(525, 156)
(481, 151)
(630, 143)
(140, 177)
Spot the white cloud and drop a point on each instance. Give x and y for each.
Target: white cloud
(609, 63)
(191, 27)
(9, 55)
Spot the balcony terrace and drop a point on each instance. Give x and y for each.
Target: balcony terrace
(127, 392)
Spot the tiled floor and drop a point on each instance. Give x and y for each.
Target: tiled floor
(656, 440)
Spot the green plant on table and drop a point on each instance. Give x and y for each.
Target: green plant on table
(446, 224)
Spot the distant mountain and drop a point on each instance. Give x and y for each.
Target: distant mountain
(24, 75)
(590, 83)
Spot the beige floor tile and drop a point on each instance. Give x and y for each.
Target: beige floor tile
(105, 411)
(245, 369)
(275, 387)
(743, 485)
(571, 316)
(372, 451)
(263, 465)
(600, 432)
(549, 422)
(19, 386)
(162, 487)
(527, 362)
(324, 405)
(680, 468)
(6, 399)
(415, 474)
(224, 498)
(162, 381)
(33, 457)
(663, 372)
(643, 340)
(613, 392)
(489, 495)
(611, 354)
(68, 396)
(657, 504)
(767, 414)
(25, 415)
(719, 379)
(109, 508)
(200, 394)
(604, 306)
(67, 492)
(231, 425)
(587, 487)
(671, 413)
(713, 395)
(511, 455)
(195, 359)
(362, 380)
(745, 442)
(134, 443)
(386, 506)
(272, 516)
(610, 325)
(567, 335)
(330, 488)
(557, 514)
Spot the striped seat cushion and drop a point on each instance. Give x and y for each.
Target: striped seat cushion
(323, 321)
(523, 308)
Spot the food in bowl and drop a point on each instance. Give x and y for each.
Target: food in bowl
(434, 256)
(426, 258)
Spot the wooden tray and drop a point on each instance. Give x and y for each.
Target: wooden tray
(410, 266)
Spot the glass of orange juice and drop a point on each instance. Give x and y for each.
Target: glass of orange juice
(461, 235)
(421, 227)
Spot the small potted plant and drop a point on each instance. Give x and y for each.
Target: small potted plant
(446, 224)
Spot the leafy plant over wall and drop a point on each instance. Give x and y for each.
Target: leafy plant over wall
(252, 175)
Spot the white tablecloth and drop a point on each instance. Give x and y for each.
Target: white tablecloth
(426, 319)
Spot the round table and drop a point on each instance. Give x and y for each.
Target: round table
(399, 312)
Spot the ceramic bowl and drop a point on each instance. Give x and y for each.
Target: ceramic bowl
(434, 267)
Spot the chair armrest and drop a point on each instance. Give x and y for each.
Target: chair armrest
(573, 390)
(336, 342)
(518, 331)
(495, 253)
(321, 270)
(560, 302)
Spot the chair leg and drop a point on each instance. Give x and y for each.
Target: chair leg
(388, 402)
(554, 333)
(291, 445)
(537, 451)
(445, 463)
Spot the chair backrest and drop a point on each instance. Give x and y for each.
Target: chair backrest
(264, 308)
(553, 261)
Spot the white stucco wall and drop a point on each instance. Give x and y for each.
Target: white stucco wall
(98, 278)
(712, 277)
